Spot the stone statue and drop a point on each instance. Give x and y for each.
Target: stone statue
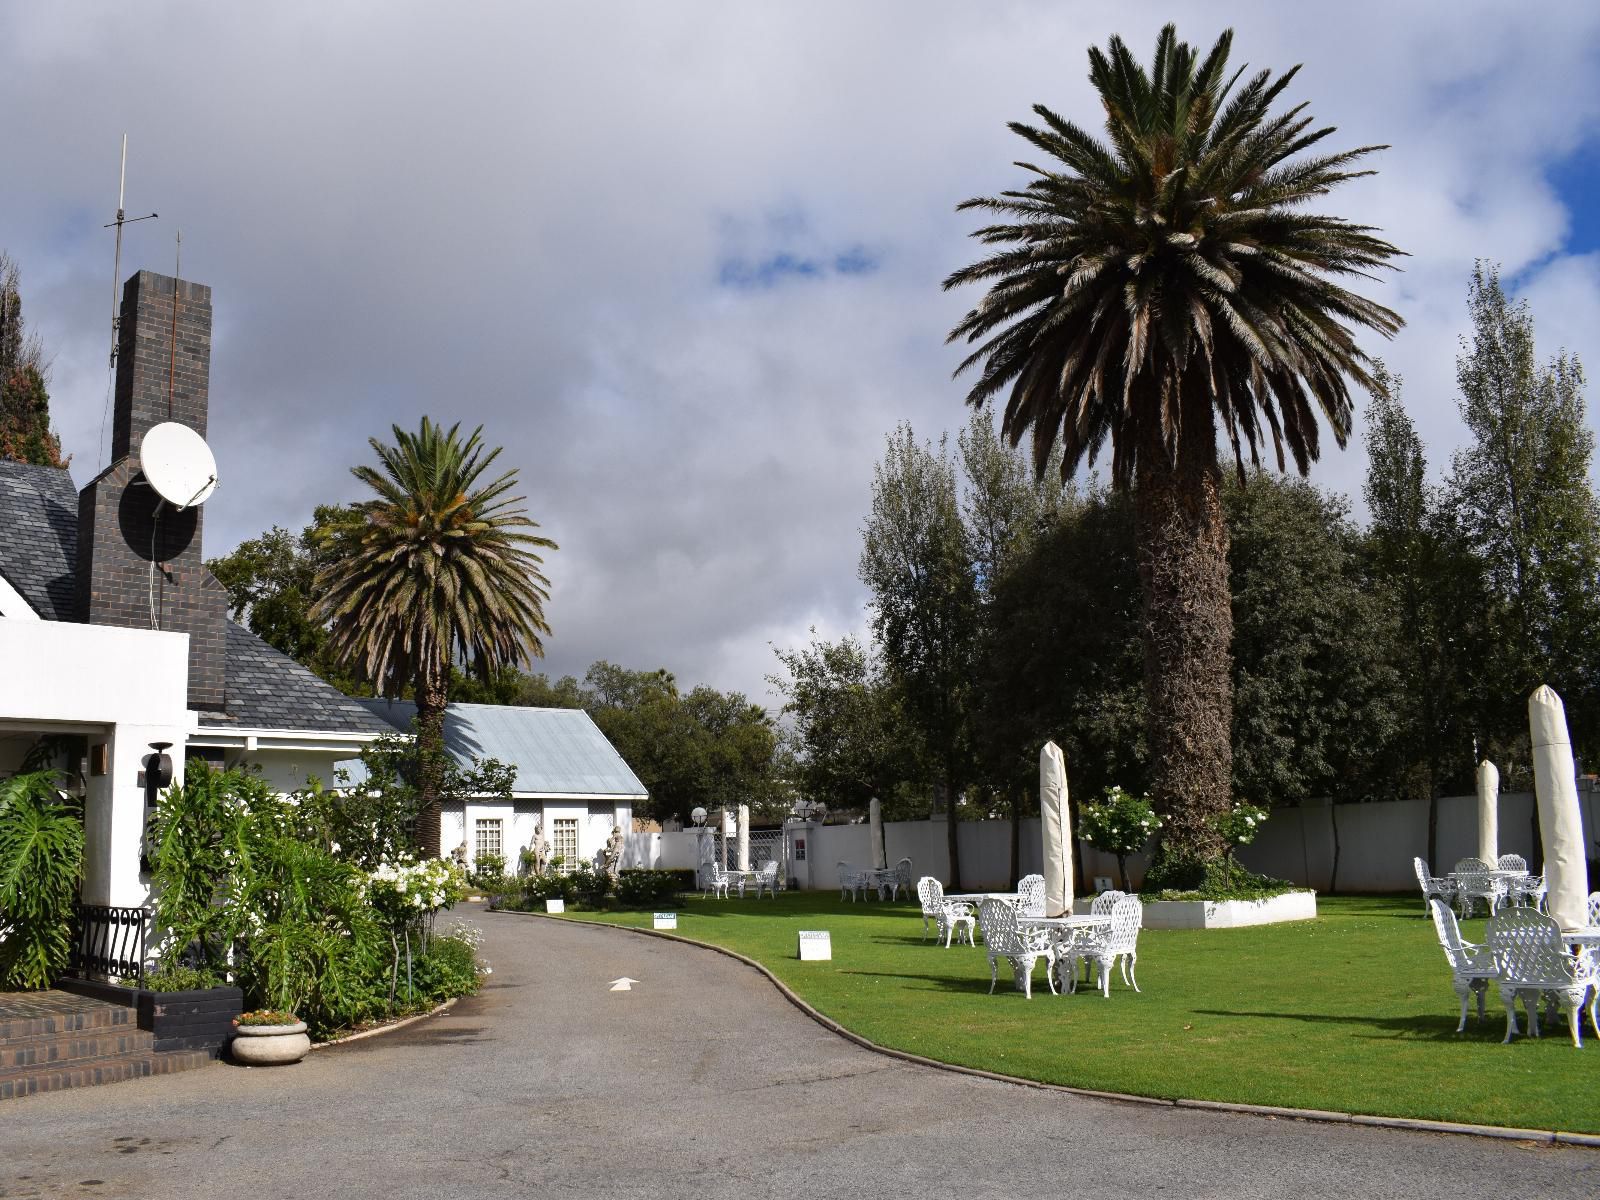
(540, 849)
(613, 852)
(459, 856)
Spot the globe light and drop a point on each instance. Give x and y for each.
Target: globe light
(698, 816)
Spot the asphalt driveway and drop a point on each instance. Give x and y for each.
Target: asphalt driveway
(700, 1082)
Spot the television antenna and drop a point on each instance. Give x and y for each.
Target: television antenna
(116, 262)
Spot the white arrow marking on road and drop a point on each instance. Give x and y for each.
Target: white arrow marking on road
(623, 985)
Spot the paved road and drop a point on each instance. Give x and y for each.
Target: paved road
(702, 1082)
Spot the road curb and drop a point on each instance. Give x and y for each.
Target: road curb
(380, 1030)
(1266, 1112)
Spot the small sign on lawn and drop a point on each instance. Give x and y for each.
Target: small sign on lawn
(555, 906)
(666, 921)
(815, 945)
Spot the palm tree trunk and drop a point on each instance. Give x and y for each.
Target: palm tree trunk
(432, 692)
(1188, 636)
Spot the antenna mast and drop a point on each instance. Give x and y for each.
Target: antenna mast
(116, 265)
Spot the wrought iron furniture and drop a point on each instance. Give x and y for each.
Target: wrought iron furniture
(902, 877)
(108, 942)
(1471, 966)
(854, 880)
(1116, 942)
(948, 916)
(764, 880)
(715, 879)
(1102, 904)
(1432, 885)
(1030, 896)
(1476, 880)
(1022, 947)
(1531, 960)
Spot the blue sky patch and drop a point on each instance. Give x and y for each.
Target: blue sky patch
(1576, 179)
(738, 271)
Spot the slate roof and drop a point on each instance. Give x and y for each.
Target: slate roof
(267, 689)
(556, 751)
(39, 553)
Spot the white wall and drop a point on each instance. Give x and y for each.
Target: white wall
(125, 688)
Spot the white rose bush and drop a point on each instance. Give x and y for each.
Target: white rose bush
(1119, 823)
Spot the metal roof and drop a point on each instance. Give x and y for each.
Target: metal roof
(556, 751)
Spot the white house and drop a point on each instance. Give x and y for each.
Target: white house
(569, 777)
(115, 639)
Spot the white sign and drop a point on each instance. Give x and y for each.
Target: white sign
(555, 906)
(623, 985)
(815, 945)
(666, 921)
(1102, 883)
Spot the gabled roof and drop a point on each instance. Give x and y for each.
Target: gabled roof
(266, 689)
(39, 552)
(556, 751)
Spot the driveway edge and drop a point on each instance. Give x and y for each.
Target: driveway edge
(1268, 1112)
(380, 1030)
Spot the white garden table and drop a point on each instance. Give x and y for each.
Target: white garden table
(1063, 930)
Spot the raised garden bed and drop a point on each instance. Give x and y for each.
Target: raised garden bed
(199, 1020)
(1229, 914)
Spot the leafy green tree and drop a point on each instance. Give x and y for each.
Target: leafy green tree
(1147, 289)
(916, 562)
(441, 568)
(1521, 494)
(25, 433)
(847, 733)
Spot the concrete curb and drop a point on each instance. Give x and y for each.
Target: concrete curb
(1268, 1112)
(379, 1030)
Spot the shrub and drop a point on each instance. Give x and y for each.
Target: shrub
(1120, 823)
(488, 868)
(175, 977)
(1214, 881)
(638, 888)
(448, 967)
(593, 887)
(41, 861)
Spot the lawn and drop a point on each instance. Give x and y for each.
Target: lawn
(1352, 1012)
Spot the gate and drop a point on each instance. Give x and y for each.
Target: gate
(766, 845)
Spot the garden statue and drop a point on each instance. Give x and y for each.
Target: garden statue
(613, 852)
(459, 856)
(540, 849)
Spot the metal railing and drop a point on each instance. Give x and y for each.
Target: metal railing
(109, 942)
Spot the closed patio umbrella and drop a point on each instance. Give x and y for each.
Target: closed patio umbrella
(744, 837)
(1555, 781)
(1488, 812)
(875, 830)
(1055, 825)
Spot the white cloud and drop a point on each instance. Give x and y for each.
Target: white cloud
(521, 215)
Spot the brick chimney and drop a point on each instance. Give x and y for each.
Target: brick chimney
(141, 566)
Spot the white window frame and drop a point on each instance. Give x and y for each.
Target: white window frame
(561, 828)
(482, 826)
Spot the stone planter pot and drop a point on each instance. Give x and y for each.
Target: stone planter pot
(269, 1045)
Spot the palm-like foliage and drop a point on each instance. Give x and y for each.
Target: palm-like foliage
(1155, 285)
(440, 568)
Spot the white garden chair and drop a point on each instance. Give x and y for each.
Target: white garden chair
(1531, 959)
(902, 877)
(714, 879)
(1433, 886)
(1594, 908)
(948, 916)
(1021, 947)
(1030, 896)
(1523, 889)
(1474, 882)
(766, 879)
(1102, 904)
(1512, 862)
(1471, 966)
(1110, 945)
(852, 879)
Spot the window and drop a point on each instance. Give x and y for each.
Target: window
(564, 843)
(486, 839)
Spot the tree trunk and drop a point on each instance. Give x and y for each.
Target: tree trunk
(1188, 634)
(432, 692)
(951, 831)
(1016, 835)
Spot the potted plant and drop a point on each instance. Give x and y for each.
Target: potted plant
(266, 1038)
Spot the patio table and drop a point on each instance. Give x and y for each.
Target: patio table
(1460, 875)
(1064, 931)
(883, 878)
(1586, 939)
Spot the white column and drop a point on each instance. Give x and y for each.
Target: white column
(744, 837)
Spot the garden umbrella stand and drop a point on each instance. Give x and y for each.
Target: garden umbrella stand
(1488, 812)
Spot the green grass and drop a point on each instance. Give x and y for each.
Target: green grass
(1352, 1012)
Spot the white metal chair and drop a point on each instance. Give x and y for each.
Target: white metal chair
(1102, 904)
(1021, 947)
(1107, 946)
(1471, 966)
(1433, 886)
(852, 879)
(1594, 908)
(1531, 960)
(714, 879)
(1475, 883)
(948, 916)
(1030, 896)
(766, 880)
(1524, 889)
(1512, 862)
(902, 877)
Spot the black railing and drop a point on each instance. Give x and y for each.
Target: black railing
(109, 942)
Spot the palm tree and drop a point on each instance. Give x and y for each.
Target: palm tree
(1150, 288)
(440, 568)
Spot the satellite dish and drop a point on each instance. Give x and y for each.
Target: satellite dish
(178, 464)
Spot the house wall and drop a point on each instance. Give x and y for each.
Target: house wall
(125, 688)
(595, 820)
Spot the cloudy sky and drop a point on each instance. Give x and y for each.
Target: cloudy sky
(682, 259)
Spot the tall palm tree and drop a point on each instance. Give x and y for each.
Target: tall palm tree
(440, 568)
(1151, 288)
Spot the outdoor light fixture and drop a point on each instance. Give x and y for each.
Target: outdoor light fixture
(698, 816)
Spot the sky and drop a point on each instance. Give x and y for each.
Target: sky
(682, 260)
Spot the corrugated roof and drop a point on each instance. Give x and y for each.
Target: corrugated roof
(266, 689)
(556, 751)
(39, 552)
